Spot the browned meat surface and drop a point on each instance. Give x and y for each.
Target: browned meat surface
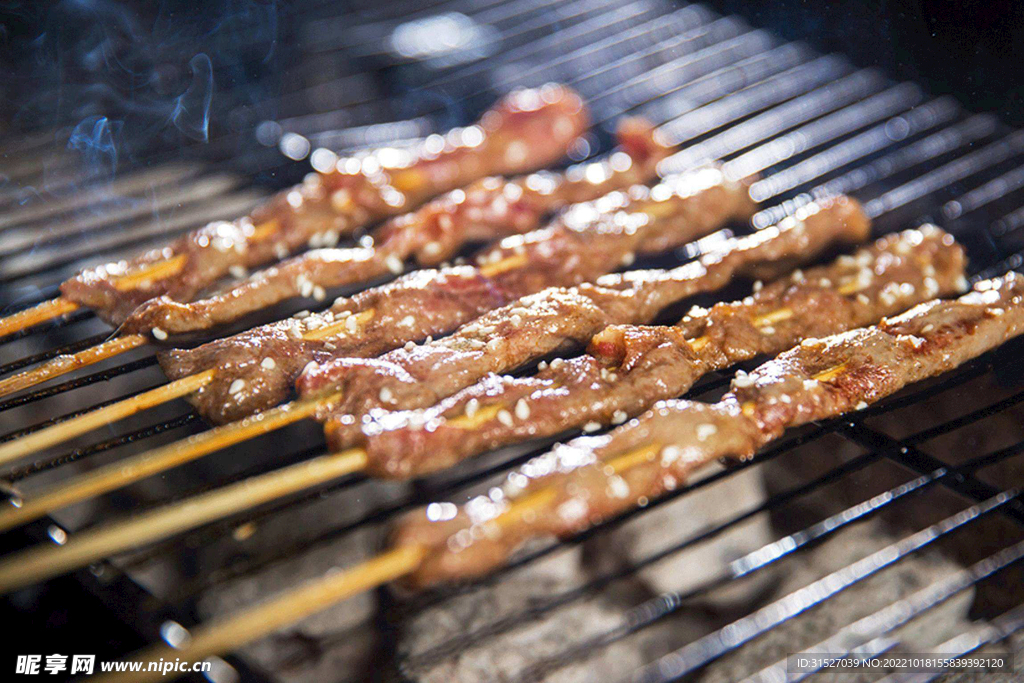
(526, 130)
(593, 478)
(537, 325)
(632, 367)
(486, 210)
(587, 241)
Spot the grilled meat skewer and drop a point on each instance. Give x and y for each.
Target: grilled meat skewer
(664, 365)
(526, 130)
(593, 478)
(257, 369)
(534, 326)
(631, 367)
(486, 210)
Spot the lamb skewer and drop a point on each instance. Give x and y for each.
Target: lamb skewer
(487, 210)
(593, 478)
(587, 241)
(238, 376)
(813, 304)
(823, 379)
(552, 320)
(825, 225)
(631, 367)
(526, 130)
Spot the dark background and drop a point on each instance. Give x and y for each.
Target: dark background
(72, 63)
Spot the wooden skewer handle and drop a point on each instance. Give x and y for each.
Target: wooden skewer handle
(30, 317)
(61, 365)
(62, 431)
(42, 562)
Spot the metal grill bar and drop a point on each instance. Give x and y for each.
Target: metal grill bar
(791, 117)
(1000, 628)
(895, 615)
(699, 653)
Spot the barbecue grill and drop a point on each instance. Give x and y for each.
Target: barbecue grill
(896, 529)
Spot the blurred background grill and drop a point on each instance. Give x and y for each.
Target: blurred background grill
(897, 530)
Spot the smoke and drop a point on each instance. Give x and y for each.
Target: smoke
(95, 138)
(192, 109)
(172, 72)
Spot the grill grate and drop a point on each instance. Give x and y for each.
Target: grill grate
(812, 125)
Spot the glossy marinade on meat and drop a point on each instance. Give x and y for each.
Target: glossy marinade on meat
(486, 210)
(594, 478)
(631, 367)
(526, 130)
(257, 369)
(557, 318)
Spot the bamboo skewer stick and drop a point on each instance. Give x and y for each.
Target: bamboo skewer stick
(64, 364)
(62, 431)
(125, 472)
(43, 562)
(232, 632)
(30, 317)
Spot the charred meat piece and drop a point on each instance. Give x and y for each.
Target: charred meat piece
(587, 241)
(487, 210)
(526, 130)
(632, 367)
(555, 319)
(593, 478)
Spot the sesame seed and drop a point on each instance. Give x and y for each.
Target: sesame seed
(409, 346)
(505, 418)
(236, 386)
(927, 328)
(318, 293)
(617, 487)
(472, 406)
(543, 365)
(706, 431)
(591, 426)
(522, 409)
(742, 380)
(629, 259)
(557, 363)
(351, 324)
(301, 314)
(619, 416)
(386, 395)
(961, 283)
(280, 251)
(394, 264)
(670, 454)
(268, 363)
(158, 333)
(432, 248)
(408, 321)
(758, 285)
(306, 288)
(238, 271)
(862, 405)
